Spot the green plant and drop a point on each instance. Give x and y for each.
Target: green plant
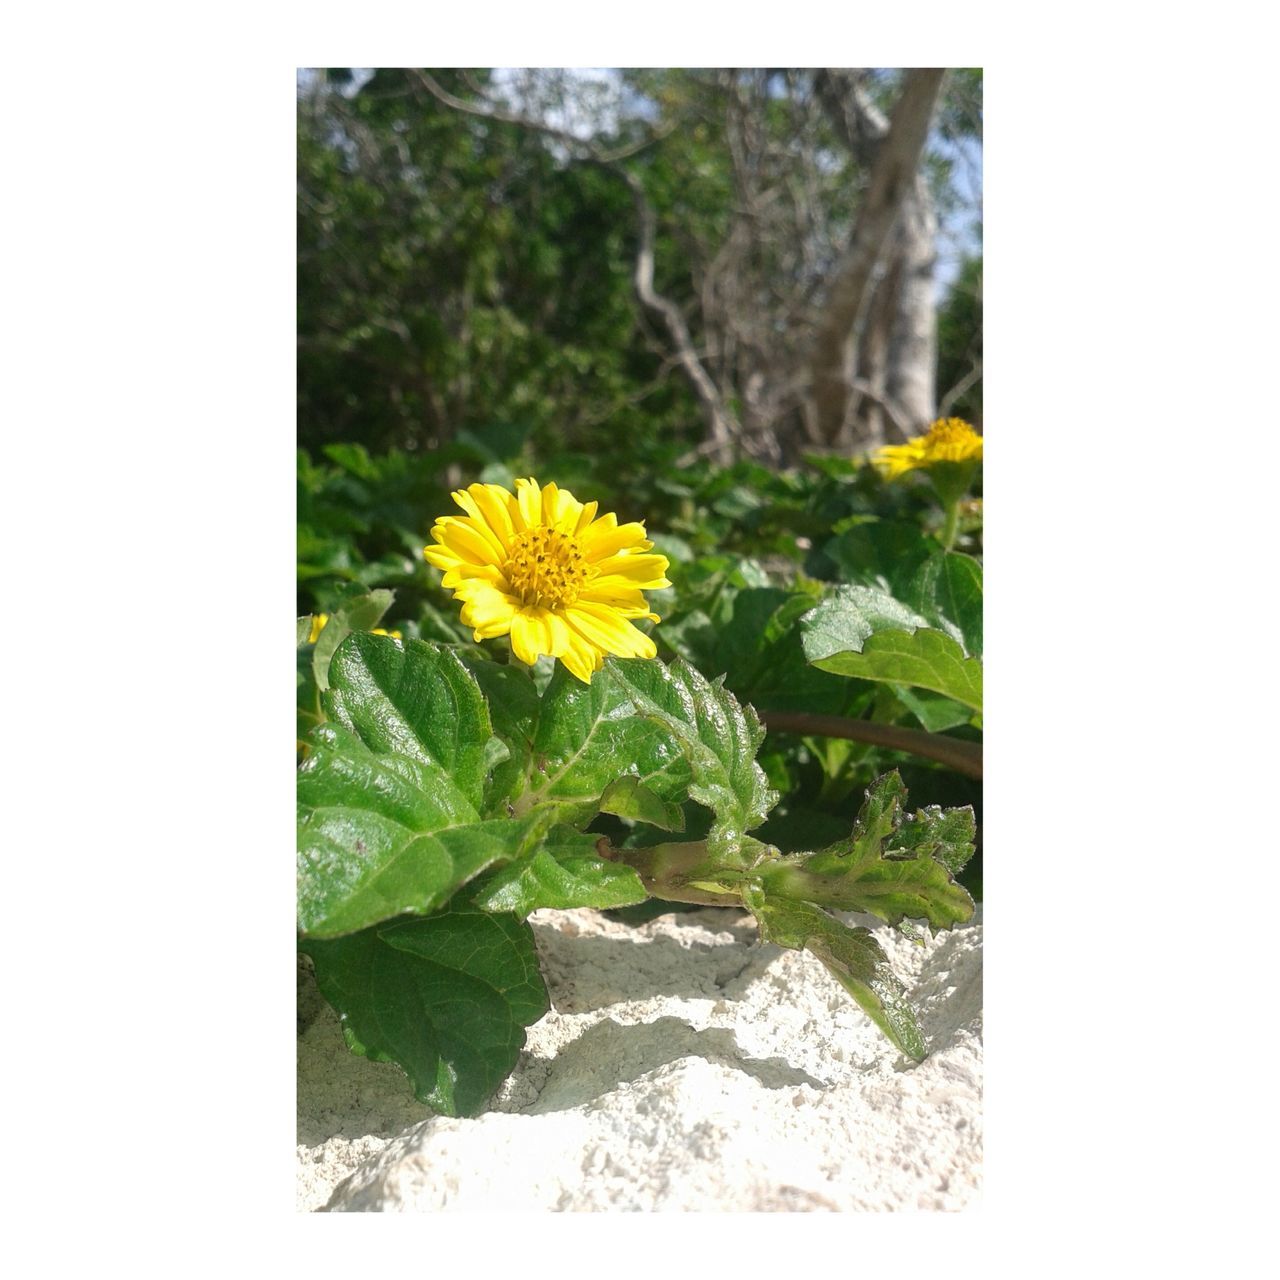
(444, 799)
(447, 790)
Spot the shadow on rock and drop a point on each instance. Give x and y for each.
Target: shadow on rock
(584, 973)
(609, 1054)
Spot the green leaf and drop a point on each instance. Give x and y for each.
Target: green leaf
(415, 699)
(359, 613)
(446, 998)
(513, 708)
(867, 633)
(875, 552)
(947, 589)
(946, 835)
(304, 631)
(628, 797)
(382, 835)
(852, 956)
(757, 646)
(354, 458)
(934, 712)
(718, 736)
(890, 868)
(589, 736)
(567, 872)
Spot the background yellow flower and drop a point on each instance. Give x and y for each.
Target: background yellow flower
(319, 621)
(539, 565)
(947, 440)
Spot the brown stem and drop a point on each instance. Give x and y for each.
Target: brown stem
(963, 757)
(666, 871)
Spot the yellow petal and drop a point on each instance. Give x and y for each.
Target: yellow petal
(461, 536)
(482, 518)
(606, 630)
(497, 505)
(560, 509)
(551, 505)
(581, 658)
(529, 500)
(461, 573)
(532, 634)
(616, 594)
(441, 557)
(644, 571)
(586, 516)
(599, 541)
(485, 609)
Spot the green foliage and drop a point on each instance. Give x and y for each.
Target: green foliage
(417, 701)
(431, 826)
(875, 871)
(455, 272)
(452, 275)
(960, 341)
(719, 739)
(383, 834)
(447, 998)
(859, 631)
(467, 312)
(357, 613)
(566, 872)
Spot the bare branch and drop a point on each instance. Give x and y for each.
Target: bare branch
(970, 379)
(892, 411)
(584, 148)
(955, 753)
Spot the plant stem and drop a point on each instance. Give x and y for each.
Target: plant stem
(949, 526)
(666, 871)
(964, 757)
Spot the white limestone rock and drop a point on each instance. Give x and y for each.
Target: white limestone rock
(683, 1066)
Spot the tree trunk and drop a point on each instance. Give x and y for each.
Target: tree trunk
(913, 346)
(892, 181)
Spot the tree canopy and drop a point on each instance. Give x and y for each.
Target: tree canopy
(695, 256)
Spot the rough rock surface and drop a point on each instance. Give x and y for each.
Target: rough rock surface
(684, 1065)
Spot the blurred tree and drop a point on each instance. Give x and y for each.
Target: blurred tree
(472, 246)
(455, 276)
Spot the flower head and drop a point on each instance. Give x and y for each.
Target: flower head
(540, 566)
(947, 440)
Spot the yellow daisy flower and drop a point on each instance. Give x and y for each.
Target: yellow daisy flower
(947, 440)
(539, 565)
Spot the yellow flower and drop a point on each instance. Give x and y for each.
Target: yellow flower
(318, 623)
(539, 565)
(947, 440)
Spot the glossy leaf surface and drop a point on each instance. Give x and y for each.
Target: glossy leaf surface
(566, 872)
(381, 835)
(415, 700)
(447, 998)
(719, 738)
(862, 632)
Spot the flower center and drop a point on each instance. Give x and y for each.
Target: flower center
(951, 431)
(546, 567)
